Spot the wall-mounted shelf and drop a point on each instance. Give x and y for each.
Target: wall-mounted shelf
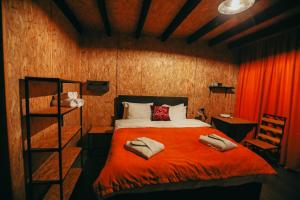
(99, 87)
(221, 89)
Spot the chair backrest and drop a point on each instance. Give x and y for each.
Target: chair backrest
(271, 129)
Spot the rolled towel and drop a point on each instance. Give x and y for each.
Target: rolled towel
(144, 147)
(218, 142)
(67, 96)
(80, 102)
(68, 103)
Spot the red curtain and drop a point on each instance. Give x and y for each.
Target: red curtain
(269, 82)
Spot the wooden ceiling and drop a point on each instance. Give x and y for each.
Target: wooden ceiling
(190, 20)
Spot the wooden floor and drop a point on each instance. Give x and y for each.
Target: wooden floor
(285, 186)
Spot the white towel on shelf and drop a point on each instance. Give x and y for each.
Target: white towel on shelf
(68, 103)
(80, 102)
(144, 147)
(67, 96)
(218, 142)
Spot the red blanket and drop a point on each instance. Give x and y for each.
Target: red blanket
(184, 159)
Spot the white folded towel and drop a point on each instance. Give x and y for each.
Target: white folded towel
(69, 103)
(218, 142)
(144, 147)
(80, 102)
(67, 96)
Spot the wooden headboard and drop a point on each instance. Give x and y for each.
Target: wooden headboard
(146, 99)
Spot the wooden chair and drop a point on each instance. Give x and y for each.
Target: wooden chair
(268, 139)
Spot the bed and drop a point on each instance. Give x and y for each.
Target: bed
(185, 164)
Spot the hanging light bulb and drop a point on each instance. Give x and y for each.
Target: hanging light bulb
(230, 7)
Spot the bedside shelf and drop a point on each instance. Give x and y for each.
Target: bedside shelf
(47, 140)
(49, 170)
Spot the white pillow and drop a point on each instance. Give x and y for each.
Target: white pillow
(138, 110)
(177, 112)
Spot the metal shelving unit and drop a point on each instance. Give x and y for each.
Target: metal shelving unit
(57, 169)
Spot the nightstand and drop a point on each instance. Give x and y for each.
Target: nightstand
(99, 137)
(234, 127)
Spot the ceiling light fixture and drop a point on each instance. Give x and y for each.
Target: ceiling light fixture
(230, 7)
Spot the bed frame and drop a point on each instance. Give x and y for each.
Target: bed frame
(250, 190)
(146, 99)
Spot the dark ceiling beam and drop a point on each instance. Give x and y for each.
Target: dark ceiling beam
(182, 14)
(284, 25)
(142, 19)
(103, 12)
(262, 16)
(214, 23)
(63, 6)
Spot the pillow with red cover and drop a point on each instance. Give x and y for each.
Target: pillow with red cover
(160, 113)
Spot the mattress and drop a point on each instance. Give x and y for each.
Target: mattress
(184, 164)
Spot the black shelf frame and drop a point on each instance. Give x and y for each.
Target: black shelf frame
(59, 115)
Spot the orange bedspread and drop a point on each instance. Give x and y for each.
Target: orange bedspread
(184, 159)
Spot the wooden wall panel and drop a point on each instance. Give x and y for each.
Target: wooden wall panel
(38, 41)
(99, 63)
(87, 14)
(149, 67)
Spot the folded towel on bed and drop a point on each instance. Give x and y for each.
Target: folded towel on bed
(218, 142)
(68, 103)
(67, 96)
(144, 147)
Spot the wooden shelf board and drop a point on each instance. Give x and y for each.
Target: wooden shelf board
(47, 79)
(49, 139)
(68, 186)
(221, 87)
(49, 170)
(52, 111)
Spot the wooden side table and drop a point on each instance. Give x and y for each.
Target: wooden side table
(234, 127)
(103, 131)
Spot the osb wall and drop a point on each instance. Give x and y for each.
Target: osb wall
(38, 41)
(150, 67)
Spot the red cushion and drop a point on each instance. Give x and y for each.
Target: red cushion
(160, 113)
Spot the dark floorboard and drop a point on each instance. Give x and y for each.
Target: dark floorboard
(284, 186)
